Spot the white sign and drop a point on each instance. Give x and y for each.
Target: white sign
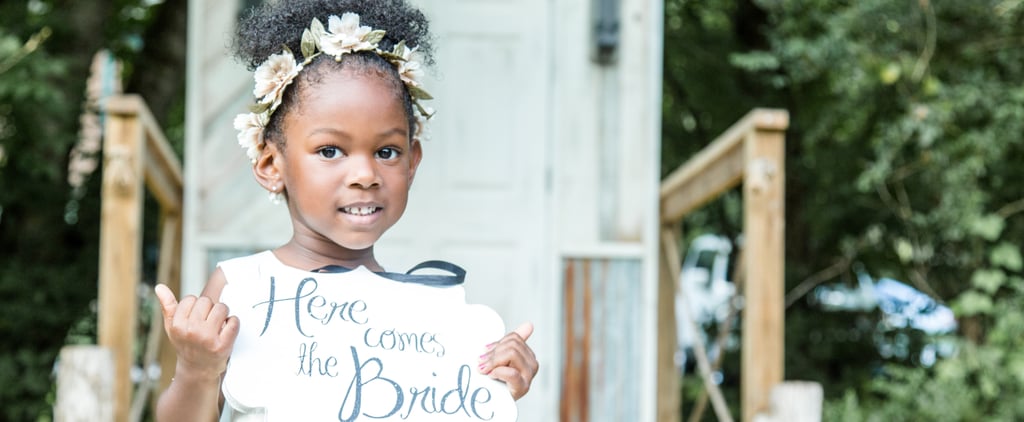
(356, 346)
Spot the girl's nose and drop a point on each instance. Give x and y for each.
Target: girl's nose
(362, 172)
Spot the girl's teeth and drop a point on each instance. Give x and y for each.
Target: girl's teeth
(360, 210)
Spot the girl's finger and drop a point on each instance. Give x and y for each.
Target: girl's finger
(168, 303)
(515, 354)
(200, 311)
(515, 343)
(218, 313)
(228, 332)
(517, 383)
(182, 312)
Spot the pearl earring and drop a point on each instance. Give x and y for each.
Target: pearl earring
(276, 197)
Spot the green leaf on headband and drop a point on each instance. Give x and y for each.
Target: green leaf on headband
(399, 49)
(374, 37)
(422, 110)
(259, 107)
(418, 93)
(391, 57)
(396, 53)
(317, 29)
(308, 44)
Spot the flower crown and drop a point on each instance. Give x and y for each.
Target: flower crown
(343, 35)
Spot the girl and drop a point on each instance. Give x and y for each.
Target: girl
(335, 133)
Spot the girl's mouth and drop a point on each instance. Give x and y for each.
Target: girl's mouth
(359, 210)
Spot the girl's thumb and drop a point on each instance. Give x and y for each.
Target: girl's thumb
(525, 330)
(168, 303)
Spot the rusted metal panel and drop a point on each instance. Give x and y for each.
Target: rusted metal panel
(602, 326)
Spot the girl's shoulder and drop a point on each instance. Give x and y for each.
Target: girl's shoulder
(247, 267)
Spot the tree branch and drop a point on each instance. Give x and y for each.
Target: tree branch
(31, 45)
(1012, 208)
(929, 47)
(840, 266)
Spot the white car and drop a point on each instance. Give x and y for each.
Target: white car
(704, 283)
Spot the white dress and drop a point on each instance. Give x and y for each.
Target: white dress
(237, 271)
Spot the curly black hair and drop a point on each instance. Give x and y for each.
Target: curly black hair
(275, 24)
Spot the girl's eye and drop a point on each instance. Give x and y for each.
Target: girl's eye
(329, 152)
(387, 153)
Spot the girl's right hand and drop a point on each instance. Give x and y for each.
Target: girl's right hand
(201, 332)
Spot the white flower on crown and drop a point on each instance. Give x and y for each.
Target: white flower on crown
(344, 35)
(409, 68)
(250, 132)
(421, 123)
(273, 76)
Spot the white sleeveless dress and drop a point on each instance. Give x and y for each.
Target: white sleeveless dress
(236, 272)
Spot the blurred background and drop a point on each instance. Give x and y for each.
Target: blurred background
(903, 158)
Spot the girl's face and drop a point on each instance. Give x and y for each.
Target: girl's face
(348, 162)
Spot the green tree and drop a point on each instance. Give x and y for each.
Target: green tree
(903, 152)
(48, 232)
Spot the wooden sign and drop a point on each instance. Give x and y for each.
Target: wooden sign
(357, 346)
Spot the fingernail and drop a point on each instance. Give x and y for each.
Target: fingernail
(483, 356)
(491, 346)
(482, 366)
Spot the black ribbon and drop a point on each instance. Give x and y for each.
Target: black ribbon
(458, 275)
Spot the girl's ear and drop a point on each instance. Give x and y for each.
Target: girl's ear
(416, 151)
(269, 168)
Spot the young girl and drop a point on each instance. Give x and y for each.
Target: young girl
(335, 133)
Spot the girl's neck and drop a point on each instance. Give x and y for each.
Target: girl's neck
(310, 257)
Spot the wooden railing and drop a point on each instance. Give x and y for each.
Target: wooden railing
(135, 151)
(751, 152)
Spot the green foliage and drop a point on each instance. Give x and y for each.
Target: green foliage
(39, 254)
(980, 382)
(903, 154)
(49, 237)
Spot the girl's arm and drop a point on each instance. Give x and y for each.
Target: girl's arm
(512, 361)
(203, 335)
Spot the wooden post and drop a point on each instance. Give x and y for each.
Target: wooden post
(163, 177)
(751, 151)
(85, 385)
(120, 248)
(669, 373)
(764, 228)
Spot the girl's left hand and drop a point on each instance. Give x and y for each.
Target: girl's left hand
(512, 361)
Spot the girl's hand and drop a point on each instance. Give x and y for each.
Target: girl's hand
(201, 332)
(512, 361)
